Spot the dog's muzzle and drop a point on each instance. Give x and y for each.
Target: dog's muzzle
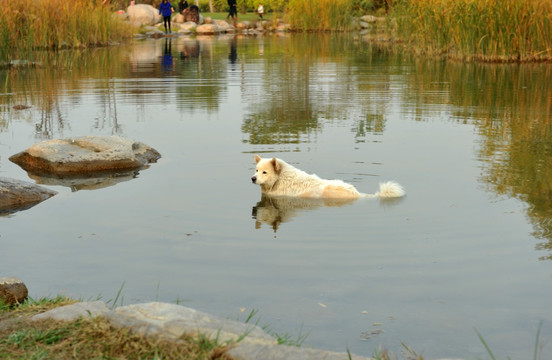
(253, 179)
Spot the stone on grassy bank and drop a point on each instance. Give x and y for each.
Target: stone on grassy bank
(12, 291)
(170, 322)
(74, 311)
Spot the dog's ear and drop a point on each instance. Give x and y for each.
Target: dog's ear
(257, 159)
(276, 165)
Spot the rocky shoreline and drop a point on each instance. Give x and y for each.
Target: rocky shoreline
(170, 322)
(147, 18)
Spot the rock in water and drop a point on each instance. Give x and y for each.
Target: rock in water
(16, 195)
(84, 156)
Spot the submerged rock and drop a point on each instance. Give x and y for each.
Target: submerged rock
(85, 156)
(17, 195)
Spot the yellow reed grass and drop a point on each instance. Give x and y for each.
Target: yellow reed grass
(26, 25)
(491, 30)
(319, 15)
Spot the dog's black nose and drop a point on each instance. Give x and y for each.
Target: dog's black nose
(253, 179)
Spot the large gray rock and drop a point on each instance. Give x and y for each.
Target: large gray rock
(85, 156)
(223, 26)
(75, 311)
(207, 29)
(143, 14)
(16, 195)
(171, 321)
(188, 26)
(12, 290)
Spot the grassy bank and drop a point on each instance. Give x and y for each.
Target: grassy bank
(96, 338)
(484, 30)
(89, 338)
(27, 25)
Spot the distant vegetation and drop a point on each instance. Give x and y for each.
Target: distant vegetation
(485, 30)
(480, 30)
(27, 25)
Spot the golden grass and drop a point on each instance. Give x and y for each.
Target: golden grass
(488, 30)
(96, 338)
(90, 338)
(319, 15)
(26, 25)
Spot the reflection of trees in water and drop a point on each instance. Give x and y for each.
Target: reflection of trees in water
(60, 76)
(308, 80)
(511, 106)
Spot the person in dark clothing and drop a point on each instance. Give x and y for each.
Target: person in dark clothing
(182, 5)
(166, 10)
(233, 12)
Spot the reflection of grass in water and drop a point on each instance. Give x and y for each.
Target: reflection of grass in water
(55, 24)
(42, 86)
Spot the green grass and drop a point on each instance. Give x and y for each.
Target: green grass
(89, 338)
(536, 351)
(241, 17)
(283, 339)
(96, 338)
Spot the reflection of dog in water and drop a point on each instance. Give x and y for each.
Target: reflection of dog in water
(274, 210)
(278, 178)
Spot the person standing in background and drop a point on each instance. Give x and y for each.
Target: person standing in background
(182, 5)
(166, 10)
(233, 12)
(260, 11)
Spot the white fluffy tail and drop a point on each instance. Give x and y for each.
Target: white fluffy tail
(388, 189)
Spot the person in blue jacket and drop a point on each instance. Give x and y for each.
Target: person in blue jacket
(166, 10)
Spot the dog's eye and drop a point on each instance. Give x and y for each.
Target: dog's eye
(264, 172)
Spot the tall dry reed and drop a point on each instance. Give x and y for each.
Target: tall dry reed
(27, 25)
(319, 15)
(492, 30)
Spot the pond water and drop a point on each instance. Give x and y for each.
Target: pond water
(469, 247)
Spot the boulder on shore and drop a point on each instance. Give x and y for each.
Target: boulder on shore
(143, 14)
(17, 195)
(12, 291)
(85, 156)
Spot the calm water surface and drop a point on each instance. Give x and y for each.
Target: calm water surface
(470, 246)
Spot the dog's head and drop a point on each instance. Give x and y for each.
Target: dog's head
(266, 171)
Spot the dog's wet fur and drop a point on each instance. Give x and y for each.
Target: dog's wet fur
(278, 178)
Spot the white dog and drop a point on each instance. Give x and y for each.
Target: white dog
(278, 178)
